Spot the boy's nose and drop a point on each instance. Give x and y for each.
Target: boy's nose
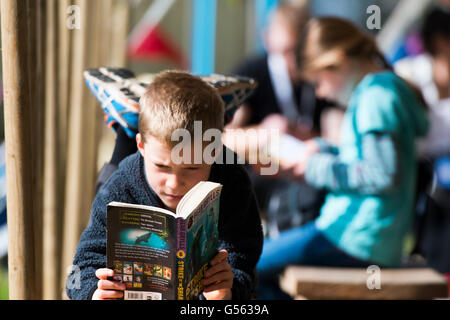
(173, 182)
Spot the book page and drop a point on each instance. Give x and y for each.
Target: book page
(195, 197)
(288, 150)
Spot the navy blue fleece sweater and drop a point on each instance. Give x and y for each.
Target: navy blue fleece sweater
(240, 231)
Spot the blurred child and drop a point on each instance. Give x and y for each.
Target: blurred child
(371, 175)
(150, 177)
(430, 71)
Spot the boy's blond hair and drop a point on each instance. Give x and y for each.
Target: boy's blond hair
(174, 100)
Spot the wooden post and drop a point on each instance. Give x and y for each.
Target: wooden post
(109, 49)
(85, 116)
(113, 54)
(43, 61)
(100, 55)
(64, 58)
(21, 152)
(52, 204)
(119, 33)
(88, 50)
(37, 74)
(65, 39)
(75, 140)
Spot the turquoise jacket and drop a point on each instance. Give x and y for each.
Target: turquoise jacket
(371, 175)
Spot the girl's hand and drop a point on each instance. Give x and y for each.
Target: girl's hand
(218, 279)
(275, 121)
(297, 170)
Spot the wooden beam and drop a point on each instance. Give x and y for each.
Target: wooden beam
(119, 32)
(66, 39)
(65, 44)
(358, 283)
(74, 193)
(22, 153)
(52, 203)
(83, 136)
(65, 36)
(88, 50)
(37, 74)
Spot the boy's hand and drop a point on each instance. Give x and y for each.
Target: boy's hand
(107, 289)
(218, 279)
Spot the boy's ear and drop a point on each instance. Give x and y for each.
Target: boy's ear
(140, 144)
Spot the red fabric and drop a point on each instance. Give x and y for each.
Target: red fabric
(448, 283)
(156, 46)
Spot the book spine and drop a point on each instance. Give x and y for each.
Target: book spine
(180, 259)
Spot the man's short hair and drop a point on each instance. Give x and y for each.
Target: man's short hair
(294, 16)
(174, 100)
(436, 24)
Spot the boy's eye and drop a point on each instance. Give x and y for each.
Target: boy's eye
(161, 166)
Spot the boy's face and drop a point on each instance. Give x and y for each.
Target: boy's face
(170, 181)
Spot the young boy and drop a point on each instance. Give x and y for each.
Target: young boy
(150, 177)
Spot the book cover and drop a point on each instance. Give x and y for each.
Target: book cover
(161, 255)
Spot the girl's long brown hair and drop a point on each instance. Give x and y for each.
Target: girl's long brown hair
(325, 39)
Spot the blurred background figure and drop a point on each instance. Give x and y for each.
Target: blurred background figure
(430, 71)
(371, 175)
(278, 100)
(286, 102)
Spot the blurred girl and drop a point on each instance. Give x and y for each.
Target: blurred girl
(370, 176)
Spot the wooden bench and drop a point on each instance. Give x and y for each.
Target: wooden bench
(350, 283)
